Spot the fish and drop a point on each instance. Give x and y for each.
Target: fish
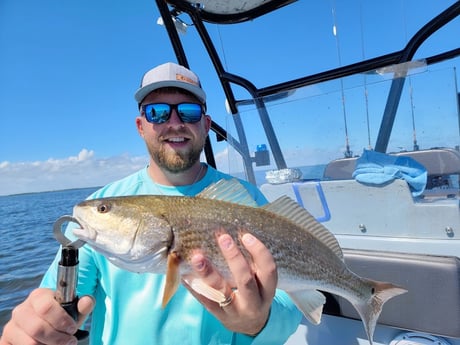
(160, 233)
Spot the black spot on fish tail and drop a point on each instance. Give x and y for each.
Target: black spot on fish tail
(370, 309)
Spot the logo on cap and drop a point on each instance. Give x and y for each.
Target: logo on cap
(185, 79)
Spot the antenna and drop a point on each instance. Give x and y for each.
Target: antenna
(458, 98)
(414, 132)
(411, 98)
(366, 93)
(348, 153)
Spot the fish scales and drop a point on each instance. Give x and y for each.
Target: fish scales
(296, 251)
(149, 233)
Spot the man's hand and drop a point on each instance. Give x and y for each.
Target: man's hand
(41, 320)
(255, 283)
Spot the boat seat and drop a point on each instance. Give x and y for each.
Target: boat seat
(340, 169)
(438, 162)
(432, 302)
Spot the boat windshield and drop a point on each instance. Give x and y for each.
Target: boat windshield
(319, 124)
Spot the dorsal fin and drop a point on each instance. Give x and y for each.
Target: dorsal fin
(288, 208)
(228, 190)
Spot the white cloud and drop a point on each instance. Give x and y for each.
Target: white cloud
(82, 170)
(85, 154)
(87, 170)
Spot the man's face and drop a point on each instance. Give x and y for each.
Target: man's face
(173, 145)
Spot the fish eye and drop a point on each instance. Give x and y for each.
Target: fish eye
(103, 208)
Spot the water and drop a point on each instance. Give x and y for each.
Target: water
(27, 245)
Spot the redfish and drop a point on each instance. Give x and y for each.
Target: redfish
(158, 233)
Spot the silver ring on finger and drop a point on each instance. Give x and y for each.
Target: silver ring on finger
(228, 300)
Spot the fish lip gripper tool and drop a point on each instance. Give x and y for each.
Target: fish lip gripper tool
(67, 275)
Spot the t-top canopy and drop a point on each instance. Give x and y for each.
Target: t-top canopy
(231, 11)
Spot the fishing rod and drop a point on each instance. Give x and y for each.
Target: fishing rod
(348, 153)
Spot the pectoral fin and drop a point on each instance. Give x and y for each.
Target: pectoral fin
(310, 302)
(172, 278)
(204, 289)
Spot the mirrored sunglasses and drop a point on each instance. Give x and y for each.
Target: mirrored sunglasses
(161, 112)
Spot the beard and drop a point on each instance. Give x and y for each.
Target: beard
(176, 161)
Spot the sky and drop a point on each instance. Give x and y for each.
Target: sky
(69, 70)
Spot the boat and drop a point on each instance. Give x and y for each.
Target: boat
(346, 138)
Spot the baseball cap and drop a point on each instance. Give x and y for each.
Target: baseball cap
(170, 75)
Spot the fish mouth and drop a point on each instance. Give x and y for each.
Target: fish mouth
(84, 233)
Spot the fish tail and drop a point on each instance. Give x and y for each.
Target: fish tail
(370, 309)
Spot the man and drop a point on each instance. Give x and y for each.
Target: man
(126, 306)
